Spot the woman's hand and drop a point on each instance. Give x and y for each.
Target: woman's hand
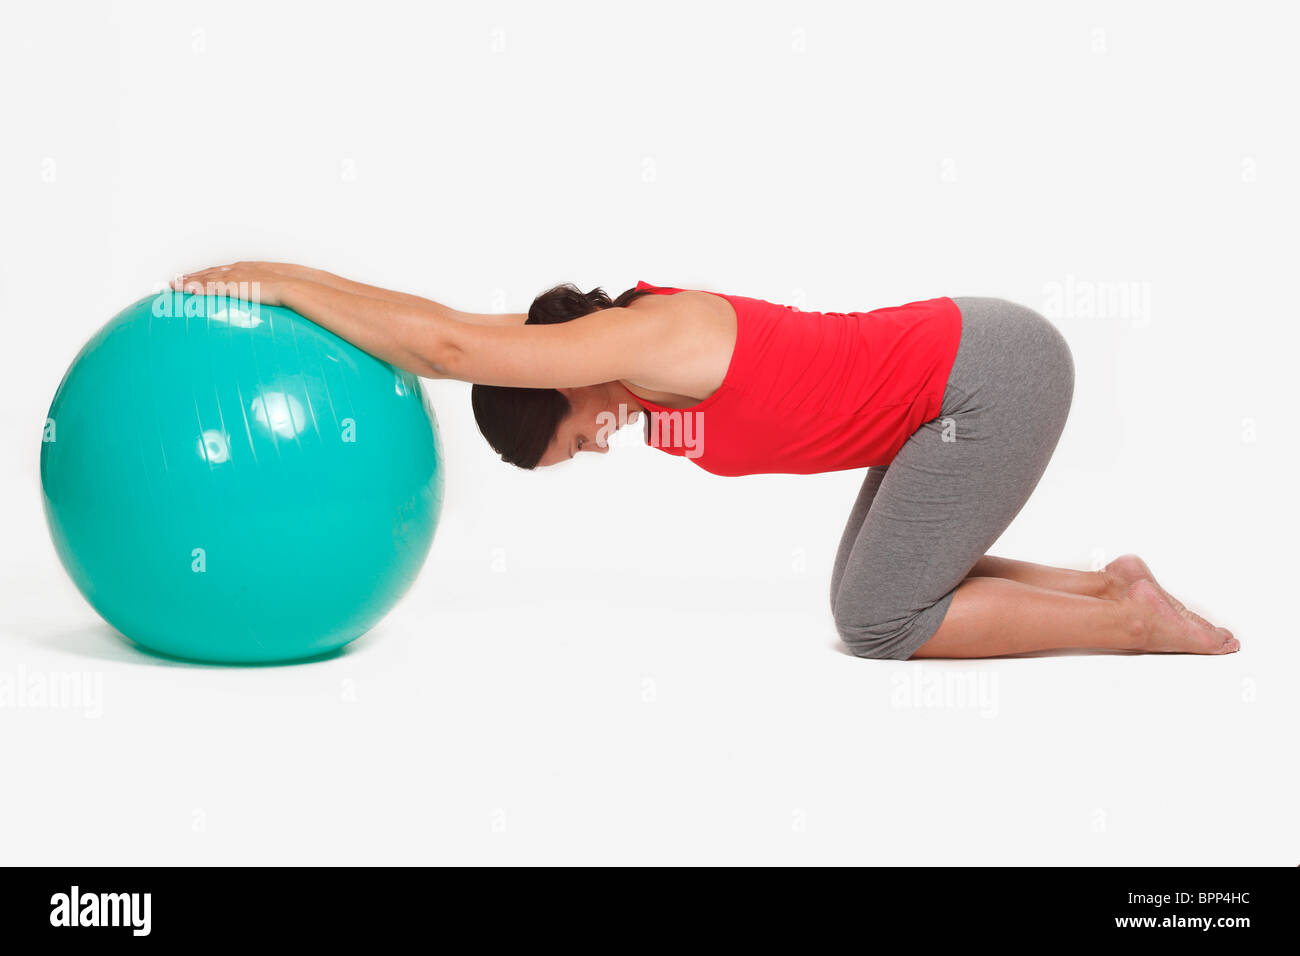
(262, 282)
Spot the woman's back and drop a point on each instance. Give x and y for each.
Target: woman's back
(806, 392)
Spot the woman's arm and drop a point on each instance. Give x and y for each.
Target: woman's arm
(411, 337)
(321, 277)
(602, 347)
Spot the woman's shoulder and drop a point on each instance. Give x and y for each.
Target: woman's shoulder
(685, 302)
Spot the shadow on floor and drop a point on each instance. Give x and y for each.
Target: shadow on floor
(103, 643)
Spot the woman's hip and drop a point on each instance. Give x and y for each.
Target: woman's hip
(1011, 363)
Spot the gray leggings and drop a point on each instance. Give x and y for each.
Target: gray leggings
(920, 523)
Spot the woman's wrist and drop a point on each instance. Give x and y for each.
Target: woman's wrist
(289, 291)
(309, 274)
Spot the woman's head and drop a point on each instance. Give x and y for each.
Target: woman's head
(531, 427)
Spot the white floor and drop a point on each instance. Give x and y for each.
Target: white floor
(509, 713)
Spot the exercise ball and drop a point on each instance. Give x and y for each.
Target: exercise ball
(226, 481)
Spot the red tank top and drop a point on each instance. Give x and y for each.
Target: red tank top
(808, 392)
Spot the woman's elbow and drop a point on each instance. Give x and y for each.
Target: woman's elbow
(445, 361)
(439, 356)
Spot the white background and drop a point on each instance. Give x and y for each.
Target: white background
(626, 659)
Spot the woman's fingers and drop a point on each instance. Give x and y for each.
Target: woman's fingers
(182, 281)
(257, 269)
(207, 273)
(216, 286)
(239, 280)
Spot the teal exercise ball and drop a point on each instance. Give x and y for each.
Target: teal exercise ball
(229, 482)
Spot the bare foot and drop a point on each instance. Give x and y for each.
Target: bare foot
(1128, 569)
(1168, 630)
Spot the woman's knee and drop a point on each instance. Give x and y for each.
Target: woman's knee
(881, 640)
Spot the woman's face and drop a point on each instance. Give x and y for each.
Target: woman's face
(592, 420)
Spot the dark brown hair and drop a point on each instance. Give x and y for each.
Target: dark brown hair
(519, 423)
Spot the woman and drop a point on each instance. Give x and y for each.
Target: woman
(954, 405)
